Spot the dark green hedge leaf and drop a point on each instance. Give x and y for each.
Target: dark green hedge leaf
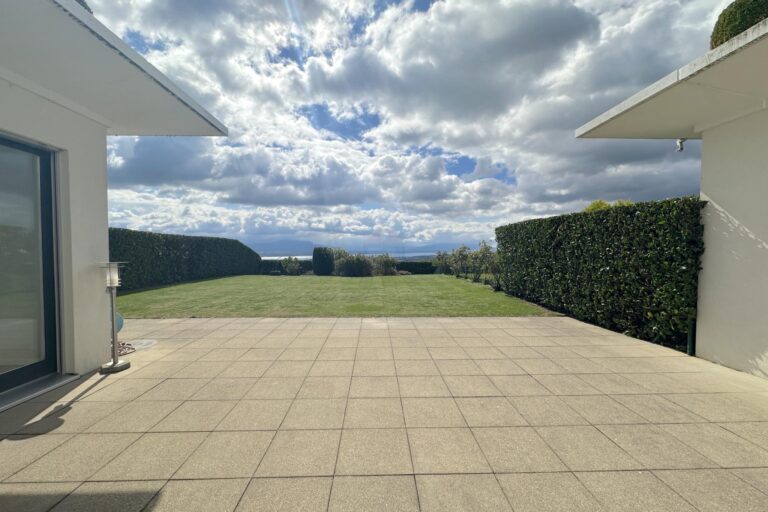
(155, 259)
(632, 269)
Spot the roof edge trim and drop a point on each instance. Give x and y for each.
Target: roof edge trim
(696, 66)
(87, 20)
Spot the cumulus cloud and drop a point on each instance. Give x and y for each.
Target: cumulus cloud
(377, 123)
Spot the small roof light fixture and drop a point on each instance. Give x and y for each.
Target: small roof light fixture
(680, 145)
(112, 275)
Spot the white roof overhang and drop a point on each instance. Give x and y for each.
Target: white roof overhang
(726, 84)
(57, 50)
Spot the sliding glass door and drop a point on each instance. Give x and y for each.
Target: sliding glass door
(27, 277)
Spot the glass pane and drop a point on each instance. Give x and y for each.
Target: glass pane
(21, 336)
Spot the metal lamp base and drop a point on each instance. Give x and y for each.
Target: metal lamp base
(115, 367)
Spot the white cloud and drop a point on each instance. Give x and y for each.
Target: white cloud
(501, 82)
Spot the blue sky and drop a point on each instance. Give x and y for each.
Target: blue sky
(385, 123)
(353, 127)
(142, 44)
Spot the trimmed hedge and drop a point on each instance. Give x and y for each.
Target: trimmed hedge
(741, 15)
(322, 261)
(269, 267)
(417, 267)
(631, 269)
(156, 259)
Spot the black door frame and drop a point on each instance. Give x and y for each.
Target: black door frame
(49, 364)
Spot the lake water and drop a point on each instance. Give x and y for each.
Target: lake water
(399, 256)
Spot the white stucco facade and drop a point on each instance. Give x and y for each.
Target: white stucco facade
(61, 94)
(81, 206)
(732, 325)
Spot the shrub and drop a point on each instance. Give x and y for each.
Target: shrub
(322, 261)
(384, 265)
(155, 259)
(416, 267)
(275, 267)
(338, 256)
(632, 269)
(355, 266)
(597, 205)
(736, 18)
(291, 266)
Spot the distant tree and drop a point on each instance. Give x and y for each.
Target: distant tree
(384, 265)
(291, 266)
(339, 255)
(473, 266)
(597, 205)
(741, 15)
(357, 265)
(460, 260)
(494, 271)
(322, 261)
(480, 260)
(442, 262)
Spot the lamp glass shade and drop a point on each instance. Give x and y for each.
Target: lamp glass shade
(113, 276)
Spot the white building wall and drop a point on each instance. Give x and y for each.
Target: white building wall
(82, 204)
(732, 327)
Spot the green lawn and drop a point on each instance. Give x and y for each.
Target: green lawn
(267, 296)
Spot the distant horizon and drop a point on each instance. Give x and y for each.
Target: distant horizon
(364, 124)
(396, 256)
(281, 248)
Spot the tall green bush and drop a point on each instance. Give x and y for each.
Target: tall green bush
(155, 259)
(384, 265)
(339, 255)
(741, 15)
(632, 269)
(291, 266)
(357, 265)
(322, 261)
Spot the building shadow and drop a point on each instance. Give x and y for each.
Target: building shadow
(74, 497)
(15, 421)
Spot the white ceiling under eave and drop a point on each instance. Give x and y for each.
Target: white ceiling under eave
(725, 84)
(55, 49)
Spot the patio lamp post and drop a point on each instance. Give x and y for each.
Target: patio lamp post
(113, 282)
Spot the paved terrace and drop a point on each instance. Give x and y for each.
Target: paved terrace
(524, 414)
